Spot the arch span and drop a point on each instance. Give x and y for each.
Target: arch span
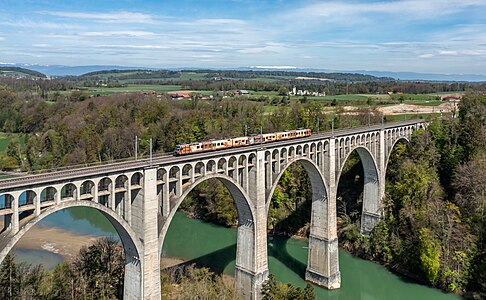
(244, 206)
(387, 158)
(371, 211)
(319, 186)
(131, 244)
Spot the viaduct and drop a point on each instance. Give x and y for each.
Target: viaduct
(140, 198)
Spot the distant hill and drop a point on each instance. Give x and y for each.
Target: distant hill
(20, 72)
(60, 70)
(273, 75)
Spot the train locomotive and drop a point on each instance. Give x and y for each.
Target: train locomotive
(218, 144)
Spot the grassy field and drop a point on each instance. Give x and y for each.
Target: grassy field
(394, 118)
(5, 139)
(5, 176)
(357, 100)
(134, 88)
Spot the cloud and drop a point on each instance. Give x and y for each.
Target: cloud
(117, 33)
(417, 8)
(268, 48)
(42, 45)
(111, 17)
(24, 23)
(219, 22)
(426, 55)
(448, 52)
(147, 47)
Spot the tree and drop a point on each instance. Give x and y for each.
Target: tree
(430, 252)
(9, 278)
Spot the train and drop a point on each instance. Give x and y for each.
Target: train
(218, 144)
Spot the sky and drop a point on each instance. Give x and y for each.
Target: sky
(433, 36)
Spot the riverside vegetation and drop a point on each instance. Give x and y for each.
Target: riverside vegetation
(434, 220)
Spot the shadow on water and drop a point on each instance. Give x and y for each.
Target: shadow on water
(277, 248)
(216, 261)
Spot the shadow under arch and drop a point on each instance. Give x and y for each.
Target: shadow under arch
(318, 218)
(131, 244)
(372, 207)
(244, 207)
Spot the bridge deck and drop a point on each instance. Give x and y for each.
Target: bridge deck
(80, 172)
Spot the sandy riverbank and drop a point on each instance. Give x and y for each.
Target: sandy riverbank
(56, 240)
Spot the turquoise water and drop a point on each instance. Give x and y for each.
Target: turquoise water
(34, 257)
(215, 247)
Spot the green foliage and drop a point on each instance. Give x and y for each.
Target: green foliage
(191, 283)
(273, 290)
(430, 252)
(211, 201)
(291, 202)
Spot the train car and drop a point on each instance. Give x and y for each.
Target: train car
(241, 141)
(188, 148)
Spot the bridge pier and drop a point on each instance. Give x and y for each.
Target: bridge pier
(323, 263)
(368, 221)
(251, 251)
(323, 258)
(150, 256)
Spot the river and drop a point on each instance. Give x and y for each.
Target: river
(215, 246)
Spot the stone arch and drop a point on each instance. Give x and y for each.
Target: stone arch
(233, 167)
(242, 160)
(199, 169)
(222, 165)
(86, 190)
(121, 194)
(252, 159)
(121, 182)
(210, 166)
(6, 201)
(30, 197)
(48, 194)
(322, 262)
(291, 152)
(242, 200)
(104, 191)
(68, 192)
(283, 154)
(136, 180)
(306, 150)
(233, 162)
(371, 211)
(131, 244)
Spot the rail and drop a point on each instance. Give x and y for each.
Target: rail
(42, 176)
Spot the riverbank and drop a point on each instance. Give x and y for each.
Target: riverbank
(55, 240)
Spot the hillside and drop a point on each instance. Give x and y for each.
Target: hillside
(20, 72)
